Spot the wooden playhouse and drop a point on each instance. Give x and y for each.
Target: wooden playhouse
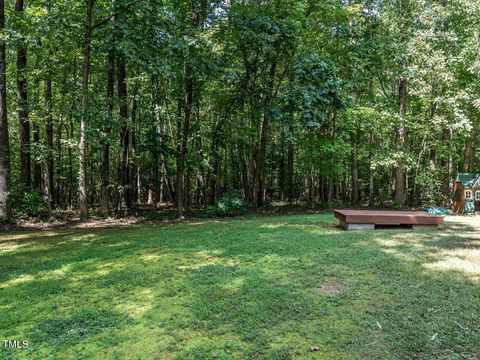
(466, 193)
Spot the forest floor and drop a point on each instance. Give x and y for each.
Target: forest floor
(261, 287)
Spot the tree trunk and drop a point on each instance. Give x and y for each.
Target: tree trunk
(261, 147)
(153, 185)
(36, 148)
(82, 151)
(447, 139)
(200, 181)
(49, 142)
(123, 172)
(243, 169)
(259, 196)
(59, 189)
(213, 171)
(371, 174)
(5, 212)
(182, 153)
(290, 155)
(105, 150)
(281, 166)
(333, 176)
(400, 139)
(134, 163)
(355, 188)
(469, 153)
(22, 99)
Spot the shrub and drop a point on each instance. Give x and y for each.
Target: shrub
(231, 204)
(431, 192)
(28, 203)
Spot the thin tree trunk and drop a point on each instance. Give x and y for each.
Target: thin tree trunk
(82, 151)
(290, 155)
(153, 178)
(371, 173)
(333, 161)
(281, 166)
(447, 139)
(261, 156)
(37, 167)
(469, 153)
(261, 148)
(22, 99)
(70, 134)
(70, 164)
(49, 142)
(400, 139)
(59, 169)
(5, 211)
(134, 163)
(124, 136)
(213, 172)
(200, 182)
(182, 153)
(243, 169)
(355, 187)
(105, 150)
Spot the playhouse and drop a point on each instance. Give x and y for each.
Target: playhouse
(466, 193)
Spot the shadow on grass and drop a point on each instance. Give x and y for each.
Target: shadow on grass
(246, 289)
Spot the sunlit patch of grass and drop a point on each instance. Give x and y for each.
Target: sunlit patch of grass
(439, 251)
(18, 280)
(462, 223)
(466, 261)
(138, 303)
(241, 288)
(29, 235)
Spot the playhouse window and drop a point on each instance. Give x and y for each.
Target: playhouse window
(468, 195)
(477, 195)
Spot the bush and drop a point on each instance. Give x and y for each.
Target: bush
(231, 204)
(28, 203)
(431, 191)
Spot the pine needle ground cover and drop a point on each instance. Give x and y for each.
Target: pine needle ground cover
(260, 288)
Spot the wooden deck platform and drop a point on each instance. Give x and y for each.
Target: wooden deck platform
(381, 219)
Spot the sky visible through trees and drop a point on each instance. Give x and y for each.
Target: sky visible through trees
(107, 106)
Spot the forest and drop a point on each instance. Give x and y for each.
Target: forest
(108, 107)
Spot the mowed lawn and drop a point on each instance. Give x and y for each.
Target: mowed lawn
(259, 288)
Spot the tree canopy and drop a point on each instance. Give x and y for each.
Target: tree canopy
(120, 105)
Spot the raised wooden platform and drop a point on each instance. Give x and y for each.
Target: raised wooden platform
(381, 219)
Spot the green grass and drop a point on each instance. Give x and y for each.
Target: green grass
(236, 289)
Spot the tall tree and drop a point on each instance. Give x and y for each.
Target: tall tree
(22, 99)
(123, 171)
(82, 144)
(105, 150)
(194, 19)
(5, 212)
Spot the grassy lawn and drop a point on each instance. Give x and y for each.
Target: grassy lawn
(260, 288)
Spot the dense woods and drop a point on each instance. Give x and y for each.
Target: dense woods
(107, 106)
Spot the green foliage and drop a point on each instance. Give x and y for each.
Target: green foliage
(430, 188)
(232, 203)
(28, 203)
(315, 92)
(308, 82)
